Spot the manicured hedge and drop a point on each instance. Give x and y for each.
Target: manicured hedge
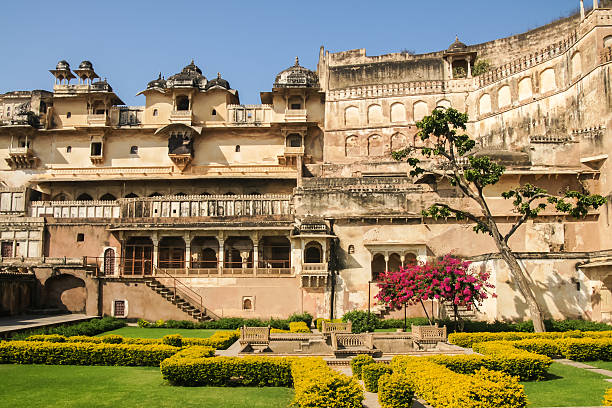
(298, 327)
(35, 352)
(587, 349)
(90, 328)
(499, 356)
(371, 373)
(395, 391)
(227, 371)
(607, 401)
(221, 340)
(358, 362)
(443, 388)
(231, 323)
(318, 386)
(468, 339)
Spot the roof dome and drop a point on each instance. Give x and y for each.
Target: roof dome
(218, 82)
(191, 75)
(62, 65)
(457, 46)
(86, 65)
(157, 83)
(296, 77)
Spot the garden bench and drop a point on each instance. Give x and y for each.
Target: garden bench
(254, 336)
(427, 335)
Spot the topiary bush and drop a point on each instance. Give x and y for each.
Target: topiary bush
(362, 321)
(358, 362)
(395, 391)
(370, 374)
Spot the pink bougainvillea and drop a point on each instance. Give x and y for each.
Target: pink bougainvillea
(448, 280)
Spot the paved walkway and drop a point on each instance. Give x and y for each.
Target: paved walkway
(15, 323)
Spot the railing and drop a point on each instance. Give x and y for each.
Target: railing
(185, 291)
(98, 120)
(76, 209)
(314, 268)
(181, 116)
(364, 340)
(428, 334)
(249, 114)
(254, 335)
(332, 327)
(295, 115)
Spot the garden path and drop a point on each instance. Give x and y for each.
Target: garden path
(588, 367)
(15, 323)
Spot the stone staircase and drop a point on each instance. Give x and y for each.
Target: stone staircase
(183, 300)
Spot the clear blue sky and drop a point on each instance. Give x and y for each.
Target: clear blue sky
(249, 42)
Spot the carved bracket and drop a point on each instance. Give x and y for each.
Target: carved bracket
(181, 161)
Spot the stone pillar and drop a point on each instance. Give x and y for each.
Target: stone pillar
(450, 67)
(582, 10)
(386, 262)
(298, 166)
(255, 254)
(469, 64)
(221, 255)
(155, 250)
(595, 4)
(187, 252)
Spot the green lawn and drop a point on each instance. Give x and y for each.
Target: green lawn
(79, 386)
(130, 331)
(567, 387)
(606, 365)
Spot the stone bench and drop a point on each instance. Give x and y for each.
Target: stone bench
(427, 335)
(346, 344)
(327, 328)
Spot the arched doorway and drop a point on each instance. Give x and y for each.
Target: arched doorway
(378, 266)
(395, 263)
(274, 253)
(109, 261)
(138, 256)
(204, 253)
(238, 254)
(171, 253)
(66, 292)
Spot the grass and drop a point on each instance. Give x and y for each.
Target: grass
(139, 332)
(79, 386)
(567, 387)
(606, 365)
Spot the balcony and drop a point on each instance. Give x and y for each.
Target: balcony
(314, 275)
(76, 209)
(295, 115)
(21, 158)
(98, 120)
(250, 115)
(181, 116)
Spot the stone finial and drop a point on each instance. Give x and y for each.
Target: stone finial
(159, 76)
(595, 4)
(582, 10)
(218, 75)
(297, 61)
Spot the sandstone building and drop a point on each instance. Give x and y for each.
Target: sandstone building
(296, 204)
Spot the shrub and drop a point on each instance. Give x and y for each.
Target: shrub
(395, 391)
(545, 347)
(399, 323)
(221, 340)
(358, 362)
(441, 387)
(112, 339)
(193, 352)
(90, 328)
(468, 339)
(143, 323)
(301, 317)
(52, 338)
(180, 324)
(175, 340)
(607, 400)
(586, 349)
(362, 321)
(298, 327)
(370, 374)
(503, 356)
(481, 66)
(33, 352)
(318, 386)
(227, 371)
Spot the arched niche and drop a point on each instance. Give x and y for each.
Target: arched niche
(547, 80)
(351, 146)
(351, 116)
(484, 104)
(525, 89)
(443, 103)
(398, 141)
(398, 112)
(375, 145)
(419, 110)
(375, 114)
(504, 96)
(576, 65)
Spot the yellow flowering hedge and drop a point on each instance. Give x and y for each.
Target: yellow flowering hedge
(298, 327)
(468, 339)
(318, 386)
(395, 391)
(503, 356)
(47, 352)
(443, 388)
(607, 401)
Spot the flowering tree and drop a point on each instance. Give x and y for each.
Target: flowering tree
(448, 281)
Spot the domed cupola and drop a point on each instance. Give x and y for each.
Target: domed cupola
(63, 65)
(296, 77)
(86, 73)
(86, 65)
(218, 82)
(159, 83)
(62, 73)
(457, 46)
(190, 76)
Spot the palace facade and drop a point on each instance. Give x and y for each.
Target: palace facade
(196, 206)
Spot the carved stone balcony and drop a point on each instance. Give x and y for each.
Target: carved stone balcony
(314, 275)
(249, 115)
(97, 159)
(21, 158)
(98, 120)
(181, 116)
(295, 115)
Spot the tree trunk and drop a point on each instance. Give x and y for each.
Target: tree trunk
(524, 287)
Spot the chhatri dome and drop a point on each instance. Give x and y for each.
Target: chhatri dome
(296, 76)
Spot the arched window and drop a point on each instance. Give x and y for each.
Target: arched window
(504, 96)
(108, 197)
(182, 103)
(484, 104)
(172, 253)
(576, 65)
(131, 195)
(378, 266)
(84, 197)
(547, 80)
(237, 149)
(607, 41)
(375, 114)
(134, 150)
(155, 194)
(155, 112)
(525, 90)
(109, 261)
(351, 116)
(398, 141)
(351, 147)
(68, 149)
(351, 249)
(313, 253)
(419, 110)
(294, 140)
(68, 115)
(247, 304)
(214, 112)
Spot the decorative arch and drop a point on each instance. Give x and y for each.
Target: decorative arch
(108, 197)
(419, 110)
(484, 104)
(131, 195)
(377, 266)
(351, 116)
(351, 146)
(607, 41)
(84, 197)
(504, 96)
(525, 89)
(398, 112)
(576, 65)
(398, 141)
(443, 103)
(547, 80)
(313, 252)
(395, 262)
(375, 145)
(61, 197)
(66, 292)
(375, 114)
